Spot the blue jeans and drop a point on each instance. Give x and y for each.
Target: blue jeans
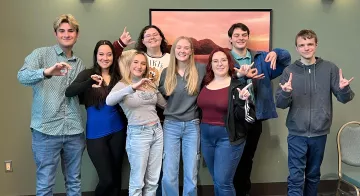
(187, 135)
(304, 159)
(47, 150)
(144, 146)
(221, 157)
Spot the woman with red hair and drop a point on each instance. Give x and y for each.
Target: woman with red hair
(226, 114)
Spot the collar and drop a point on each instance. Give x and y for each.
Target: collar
(237, 57)
(59, 51)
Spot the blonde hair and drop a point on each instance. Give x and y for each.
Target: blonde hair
(125, 61)
(191, 74)
(66, 18)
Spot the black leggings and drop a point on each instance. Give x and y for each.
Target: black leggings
(242, 182)
(106, 153)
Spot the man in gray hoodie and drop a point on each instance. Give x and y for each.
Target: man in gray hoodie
(306, 87)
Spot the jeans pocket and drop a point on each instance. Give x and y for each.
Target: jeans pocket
(196, 121)
(133, 130)
(38, 136)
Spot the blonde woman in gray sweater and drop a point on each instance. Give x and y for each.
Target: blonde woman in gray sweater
(138, 97)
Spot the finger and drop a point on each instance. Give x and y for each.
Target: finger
(253, 71)
(351, 79)
(247, 86)
(124, 30)
(290, 78)
(132, 42)
(268, 57)
(261, 76)
(64, 71)
(236, 69)
(273, 64)
(144, 80)
(67, 66)
(239, 90)
(58, 66)
(251, 64)
(340, 74)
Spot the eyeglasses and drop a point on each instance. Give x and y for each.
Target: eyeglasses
(217, 62)
(148, 36)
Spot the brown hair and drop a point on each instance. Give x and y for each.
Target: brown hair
(306, 34)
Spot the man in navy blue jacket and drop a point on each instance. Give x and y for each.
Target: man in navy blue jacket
(306, 87)
(259, 68)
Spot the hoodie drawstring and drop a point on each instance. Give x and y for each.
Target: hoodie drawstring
(305, 80)
(315, 77)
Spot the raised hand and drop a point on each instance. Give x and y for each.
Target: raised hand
(244, 69)
(98, 79)
(244, 93)
(271, 57)
(59, 69)
(126, 38)
(253, 73)
(342, 81)
(140, 85)
(287, 87)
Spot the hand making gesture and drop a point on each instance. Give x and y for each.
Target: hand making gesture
(244, 93)
(98, 79)
(271, 57)
(287, 87)
(59, 69)
(126, 38)
(342, 81)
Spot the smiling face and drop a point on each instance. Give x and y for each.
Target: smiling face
(66, 35)
(183, 50)
(239, 39)
(138, 66)
(306, 47)
(220, 64)
(104, 57)
(152, 38)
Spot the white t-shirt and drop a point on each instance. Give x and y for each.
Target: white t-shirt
(157, 64)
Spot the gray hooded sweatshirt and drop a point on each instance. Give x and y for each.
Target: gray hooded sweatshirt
(310, 102)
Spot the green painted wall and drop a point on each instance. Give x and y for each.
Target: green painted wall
(27, 25)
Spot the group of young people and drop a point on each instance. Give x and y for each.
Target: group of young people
(156, 105)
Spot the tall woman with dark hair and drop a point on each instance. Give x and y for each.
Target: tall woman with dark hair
(226, 114)
(105, 126)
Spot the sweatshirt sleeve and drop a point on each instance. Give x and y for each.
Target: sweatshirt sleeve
(118, 93)
(161, 101)
(342, 95)
(82, 82)
(162, 83)
(283, 99)
(119, 48)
